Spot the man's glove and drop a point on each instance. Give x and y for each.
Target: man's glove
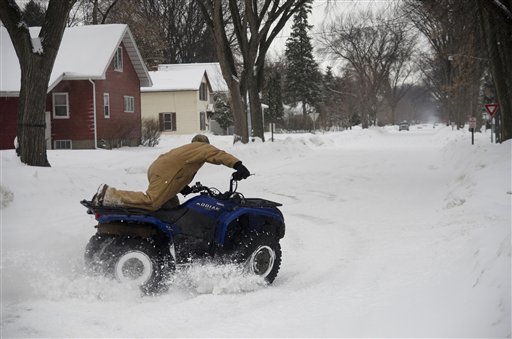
(241, 171)
(186, 190)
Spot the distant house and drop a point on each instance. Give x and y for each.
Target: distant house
(212, 69)
(94, 89)
(217, 82)
(180, 99)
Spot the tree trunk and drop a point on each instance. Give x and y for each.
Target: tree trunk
(256, 111)
(212, 12)
(393, 113)
(240, 117)
(364, 113)
(497, 34)
(36, 64)
(31, 114)
(255, 24)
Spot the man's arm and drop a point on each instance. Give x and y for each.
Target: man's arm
(215, 156)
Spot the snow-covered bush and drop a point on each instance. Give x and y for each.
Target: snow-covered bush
(150, 132)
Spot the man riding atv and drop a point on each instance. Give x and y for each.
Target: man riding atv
(169, 175)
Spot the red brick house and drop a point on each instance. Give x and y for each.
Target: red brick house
(94, 90)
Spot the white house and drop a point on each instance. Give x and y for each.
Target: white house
(212, 69)
(180, 99)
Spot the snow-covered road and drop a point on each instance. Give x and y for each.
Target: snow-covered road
(388, 234)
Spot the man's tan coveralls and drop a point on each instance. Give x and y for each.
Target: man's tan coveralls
(168, 175)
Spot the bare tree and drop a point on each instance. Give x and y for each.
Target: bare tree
(336, 105)
(400, 71)
(456, 63)
(167, 31)
(496, 24)
(255, 25)
(95, 12)
(370, 45)
(148, 32)
(36, 57)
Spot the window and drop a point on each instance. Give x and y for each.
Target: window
(167, 121)
(106, 105)
(118, 59)
(60, 105)
(62, 144)
(203, 92)
(202, 121)
(129, 104)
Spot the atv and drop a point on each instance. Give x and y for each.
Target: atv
(145, 247)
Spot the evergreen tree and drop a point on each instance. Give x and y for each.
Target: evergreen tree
(275, 109)
(302, 75)
(222, 114)
(33, 14)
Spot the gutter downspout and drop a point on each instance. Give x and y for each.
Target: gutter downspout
(94, 112)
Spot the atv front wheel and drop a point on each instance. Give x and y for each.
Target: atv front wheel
(261, 254)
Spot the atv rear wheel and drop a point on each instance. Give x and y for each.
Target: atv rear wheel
(131, 260)
(93, 256)
(261, 254)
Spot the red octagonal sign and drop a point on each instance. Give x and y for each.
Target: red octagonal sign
(491, 109)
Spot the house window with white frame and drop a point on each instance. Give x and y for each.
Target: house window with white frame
(167, 121)
(202, 121)
(60, 105)
(129, 104)
(106, 105)
(63, 144)
(118, 59)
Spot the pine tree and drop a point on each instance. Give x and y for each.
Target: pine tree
(33, 14)
(275, 109)
(302, 75)
(222, 114)
(330, 98)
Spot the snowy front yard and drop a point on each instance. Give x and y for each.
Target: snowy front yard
(388, 234)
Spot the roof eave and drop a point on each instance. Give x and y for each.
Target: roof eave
(153, 90)
(136, 58)
(73, 77)
(10, 94)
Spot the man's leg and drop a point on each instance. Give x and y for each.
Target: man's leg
(158, 193)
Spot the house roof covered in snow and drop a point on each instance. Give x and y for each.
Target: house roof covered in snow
(212, 69)
(178, 79)
(85, 53)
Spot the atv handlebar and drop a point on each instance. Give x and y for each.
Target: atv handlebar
(199, 188)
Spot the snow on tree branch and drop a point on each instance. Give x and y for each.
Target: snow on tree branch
(502, 8)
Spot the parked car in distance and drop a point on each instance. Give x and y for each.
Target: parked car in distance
(403, 126)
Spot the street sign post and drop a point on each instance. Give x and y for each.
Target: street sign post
(314, 116)
(491, 110)
(472, 126)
